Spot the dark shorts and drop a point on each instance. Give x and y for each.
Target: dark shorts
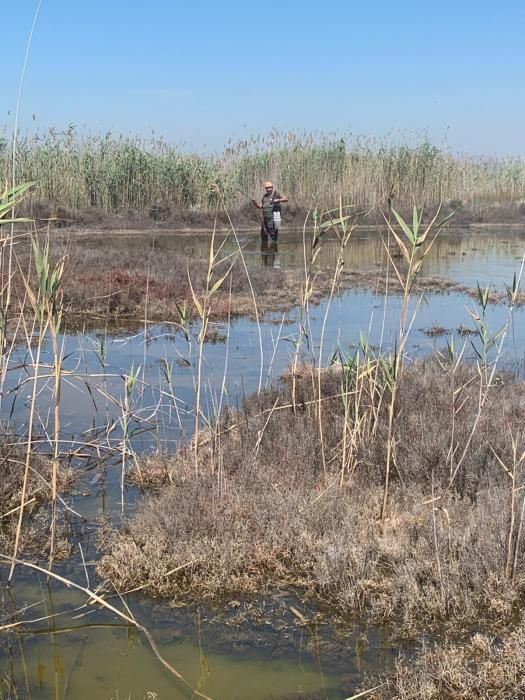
(268, 229)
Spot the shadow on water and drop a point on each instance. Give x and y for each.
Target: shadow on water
(255, 648)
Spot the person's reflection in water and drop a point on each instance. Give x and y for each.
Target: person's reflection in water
(270, 253)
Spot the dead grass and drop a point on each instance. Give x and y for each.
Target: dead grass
(262, 514)
(123, 284)
(109, 280)
(484, 667)
(35, 533)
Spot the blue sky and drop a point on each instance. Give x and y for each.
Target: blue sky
(201, 72)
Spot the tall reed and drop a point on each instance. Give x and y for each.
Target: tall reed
(414, 245)
(119, 174)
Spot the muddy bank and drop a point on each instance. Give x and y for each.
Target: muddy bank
(259, 509)
(245, 215)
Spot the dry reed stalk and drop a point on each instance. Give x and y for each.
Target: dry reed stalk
(16, 191)
(54, 312)
(252, 292)
(344, 233)
(489, 376)
(32, 410)
(513, 536)
(214, 281)
(96, 598)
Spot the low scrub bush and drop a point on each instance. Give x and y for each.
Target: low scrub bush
(258, 510)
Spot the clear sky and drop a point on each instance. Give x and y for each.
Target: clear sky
(201, 71)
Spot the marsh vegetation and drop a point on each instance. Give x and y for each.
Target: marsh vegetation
(370, 483)
(258, 510)
(106, 180)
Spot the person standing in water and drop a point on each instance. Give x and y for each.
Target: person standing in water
(271, 209)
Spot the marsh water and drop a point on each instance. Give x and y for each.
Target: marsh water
(478, 254)
(237, 648)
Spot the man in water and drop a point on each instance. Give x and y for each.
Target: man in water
(271, 209)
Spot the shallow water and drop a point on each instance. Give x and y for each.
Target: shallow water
(271, 655)
(467, 256)
(224, 655)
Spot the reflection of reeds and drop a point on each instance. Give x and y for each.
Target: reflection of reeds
(152, 176)
(94, 597)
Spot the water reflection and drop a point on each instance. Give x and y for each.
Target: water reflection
(247, 649)
(161, 406)
(487, 255)
(270, 253)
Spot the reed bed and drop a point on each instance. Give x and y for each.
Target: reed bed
(125, 175)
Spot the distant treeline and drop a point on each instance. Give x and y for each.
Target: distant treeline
(152, 177)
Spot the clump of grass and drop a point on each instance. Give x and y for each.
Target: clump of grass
(271, 520)
(39, 493)
(435, 331)
(484, 667)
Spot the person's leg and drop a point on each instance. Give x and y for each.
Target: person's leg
(264, 233)
(270, 228)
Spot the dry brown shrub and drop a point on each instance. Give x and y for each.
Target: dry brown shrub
(262, 513)
(479, 669)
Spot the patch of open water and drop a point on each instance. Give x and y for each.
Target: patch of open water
(488, 255)
(272, 656)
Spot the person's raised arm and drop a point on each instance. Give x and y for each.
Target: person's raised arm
(282, 199)
(259, 206)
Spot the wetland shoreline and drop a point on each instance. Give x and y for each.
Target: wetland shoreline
(257, 506)
(257, 512)
(243, 517)
(105, 281)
